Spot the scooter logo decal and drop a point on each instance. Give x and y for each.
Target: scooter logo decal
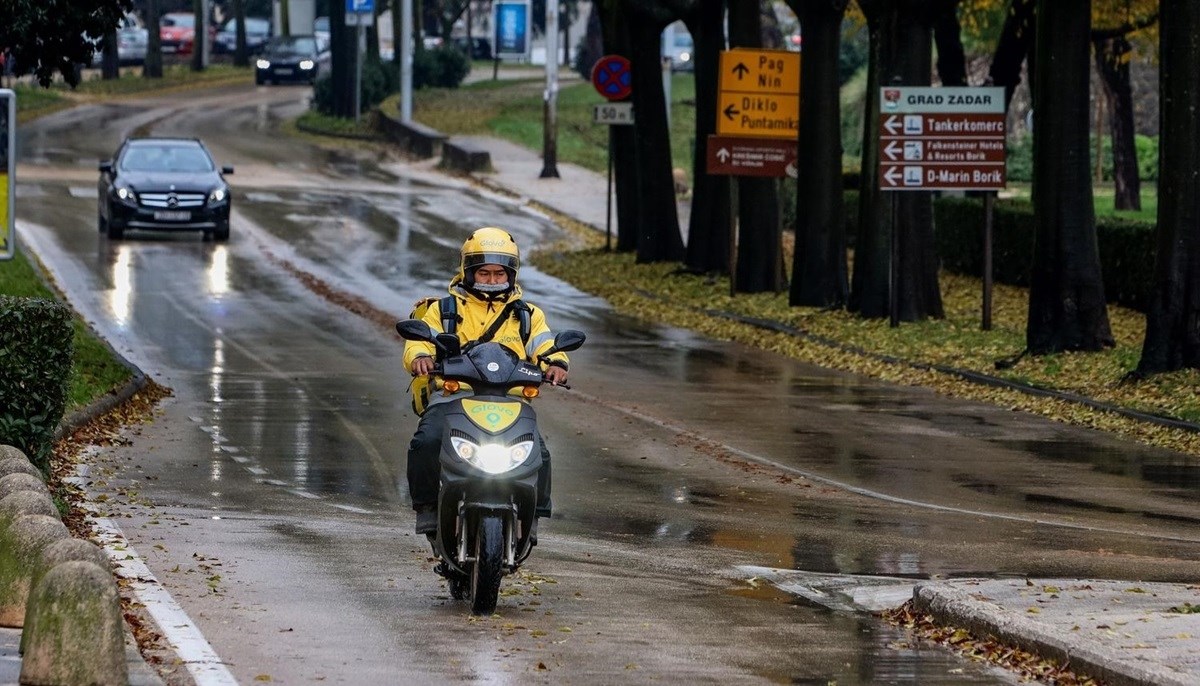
(492, 416)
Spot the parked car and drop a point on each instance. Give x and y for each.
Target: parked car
(177, 32)
(321, 29)
(160, 184)
(477, 49)
(291, 58)
(258, 31)
(131, 47)
(682, 50)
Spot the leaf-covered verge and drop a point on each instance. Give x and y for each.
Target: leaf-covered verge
(1027, 665)
(838, 339)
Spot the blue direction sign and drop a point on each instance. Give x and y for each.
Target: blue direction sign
(360, 6)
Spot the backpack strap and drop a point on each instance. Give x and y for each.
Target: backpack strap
(448, 307)
(524, 315)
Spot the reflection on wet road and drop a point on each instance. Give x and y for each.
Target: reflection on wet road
(677, 459)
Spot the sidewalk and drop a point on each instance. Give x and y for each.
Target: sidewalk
(1119, 632)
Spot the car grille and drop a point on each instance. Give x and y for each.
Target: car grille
(172, 200)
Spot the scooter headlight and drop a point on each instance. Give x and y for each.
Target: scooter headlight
(491, 457)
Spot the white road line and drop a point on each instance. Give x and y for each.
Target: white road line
(177, 628)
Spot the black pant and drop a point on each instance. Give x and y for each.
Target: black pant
(424, 464)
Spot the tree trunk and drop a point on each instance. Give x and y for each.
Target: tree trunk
(198, 10)
(951, 61)
(759, 245)
(152, 68)
(819, 272)
(110, 60)
(1067, 310)
(708, 227)
(1113, 66)
(614, 23)
(241, 56)
(397, 34)
(285, 22)
(344, 43)
(1173, 319)
(1015, 44)
(658, 238)
(905, 46)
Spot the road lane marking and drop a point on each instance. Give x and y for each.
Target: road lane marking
(177, 628)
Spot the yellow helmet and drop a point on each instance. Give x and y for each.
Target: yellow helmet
(489, 245)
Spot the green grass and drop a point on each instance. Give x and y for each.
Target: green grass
(175, 77)
(1103, 194)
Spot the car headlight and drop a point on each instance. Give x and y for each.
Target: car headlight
(490, 457)
(685, 57)
(307, 65)
(263, 64)
(125, 194)
(218, 195)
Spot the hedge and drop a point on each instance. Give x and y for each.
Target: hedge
(36, 346)
(1126, 246)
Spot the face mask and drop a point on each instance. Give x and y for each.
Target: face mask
(491, 287)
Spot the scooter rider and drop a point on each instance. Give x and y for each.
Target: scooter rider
(484, 290)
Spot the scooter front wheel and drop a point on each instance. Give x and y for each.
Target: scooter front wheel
(488, 568)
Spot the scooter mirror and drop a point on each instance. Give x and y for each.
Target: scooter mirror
(414, 330)
(566, 341)
(448, 343)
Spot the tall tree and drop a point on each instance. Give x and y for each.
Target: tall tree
(199, 37)
(1114, 51)
(49, 37)
(343, 43)
(1014, 46)
(110, 60)
(152, 68)
(1173, 319)
(614, 24)
(241, 56)
(708, 225)
(819, 273)
(901, 53)
(1067, 310)
(635, 26)
(759, 245)
(947, 33)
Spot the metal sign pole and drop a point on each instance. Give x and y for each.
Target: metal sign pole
(358, 70)
(988, 206)
(894, 266)
(8, 173)
(609, 199)
(405, 45)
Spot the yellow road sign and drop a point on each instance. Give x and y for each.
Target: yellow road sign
(760, 71)
(766, 116)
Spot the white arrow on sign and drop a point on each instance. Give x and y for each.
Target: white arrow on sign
(723, 155)
(892, 175)
(892, 148)
(892, 124)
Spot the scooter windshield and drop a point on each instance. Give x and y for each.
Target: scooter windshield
(494, 363)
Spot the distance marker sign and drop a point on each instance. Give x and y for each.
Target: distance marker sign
(941, 139)
(759, 94)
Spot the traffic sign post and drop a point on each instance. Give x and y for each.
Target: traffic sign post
(612, 77)
(770, 157)
(8, 173)
(944, 139)
(759, 94)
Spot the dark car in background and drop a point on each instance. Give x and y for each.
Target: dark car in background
(159, 184)
(475, 48)
(291, 58)
(258, 31)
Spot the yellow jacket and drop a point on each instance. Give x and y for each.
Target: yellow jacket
(476, 316)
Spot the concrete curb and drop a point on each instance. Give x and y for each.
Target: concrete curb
(955, 607)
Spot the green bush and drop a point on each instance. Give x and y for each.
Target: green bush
(36, 347)
(1126, 246)
(1020, 158)
(441, 67)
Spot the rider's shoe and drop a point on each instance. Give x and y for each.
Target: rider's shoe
(427, 520)
(533, 532)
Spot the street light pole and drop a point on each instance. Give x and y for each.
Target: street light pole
(550, 97)
(405, 46)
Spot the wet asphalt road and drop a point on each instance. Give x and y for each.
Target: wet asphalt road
(269, 497)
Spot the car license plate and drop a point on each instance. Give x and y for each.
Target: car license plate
(169, 216)
(284, 72)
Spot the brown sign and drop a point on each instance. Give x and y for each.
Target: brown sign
(730, 156)
(941, 139)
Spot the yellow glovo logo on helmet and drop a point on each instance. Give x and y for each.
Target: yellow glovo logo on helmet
(491, 416)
